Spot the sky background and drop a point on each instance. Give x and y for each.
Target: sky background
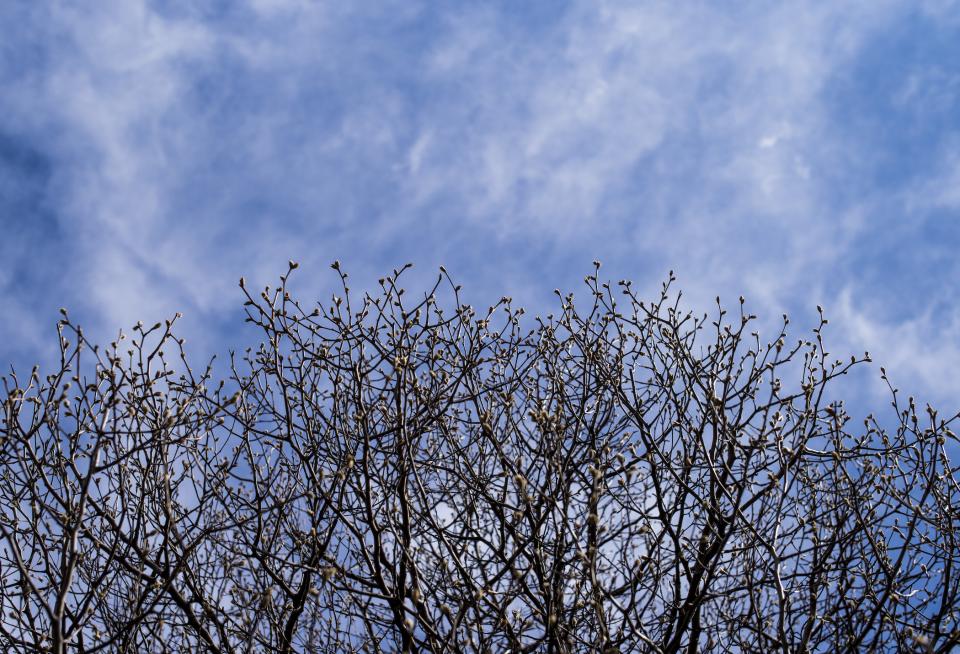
(796, 153)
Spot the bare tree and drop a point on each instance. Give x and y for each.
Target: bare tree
(415, 475)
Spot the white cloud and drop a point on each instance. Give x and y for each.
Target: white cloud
(694, 137)
(111, 95)
(558, 125)
(920, 353)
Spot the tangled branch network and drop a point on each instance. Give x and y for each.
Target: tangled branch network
(387, 474)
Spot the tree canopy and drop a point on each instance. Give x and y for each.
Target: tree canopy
(407, 473)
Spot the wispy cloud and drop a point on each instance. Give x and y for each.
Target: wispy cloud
(753, 148)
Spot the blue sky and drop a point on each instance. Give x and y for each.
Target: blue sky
(151, 153)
